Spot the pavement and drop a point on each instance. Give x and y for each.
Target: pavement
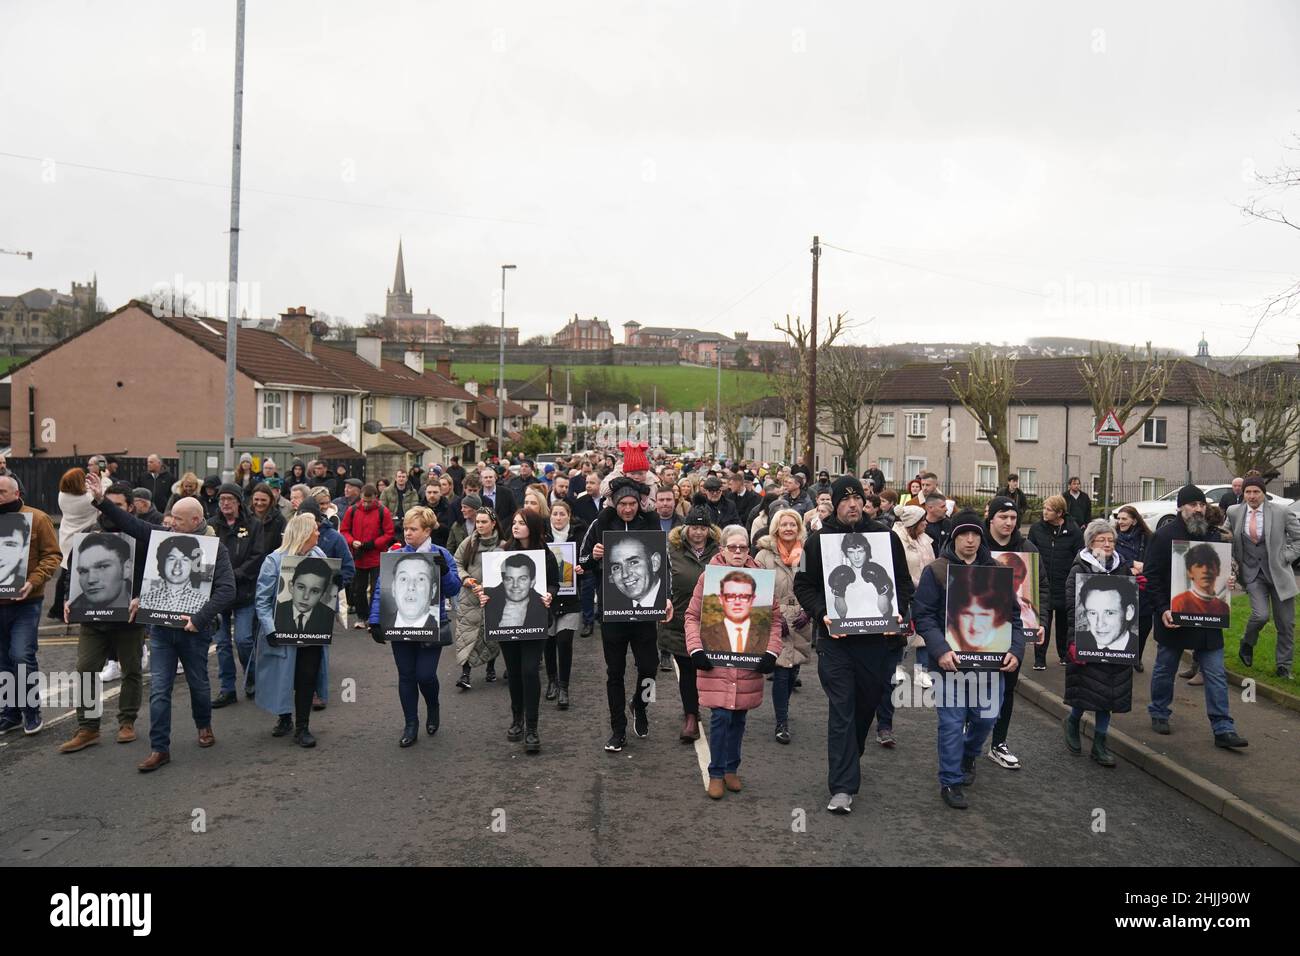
(1257, 787)
(467, 796)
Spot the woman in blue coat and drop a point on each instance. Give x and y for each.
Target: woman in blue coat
(286, 683)
(417, 661)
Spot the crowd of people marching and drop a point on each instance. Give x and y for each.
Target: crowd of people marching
(738, 514)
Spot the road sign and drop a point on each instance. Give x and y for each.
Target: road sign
(1109, 430)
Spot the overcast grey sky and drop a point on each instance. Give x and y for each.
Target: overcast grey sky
(998, 167)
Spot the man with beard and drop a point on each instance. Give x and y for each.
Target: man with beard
(1206, 644)
(853, 668)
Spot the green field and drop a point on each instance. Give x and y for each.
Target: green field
(1265, 648)
(676, 387)
(9, 361)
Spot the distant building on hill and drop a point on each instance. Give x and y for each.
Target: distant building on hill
(585, 335)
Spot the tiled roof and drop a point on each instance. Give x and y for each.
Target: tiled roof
(38, 300)
(443, 436)
(405, 440)
(394, 378)
(330, 447)
(476, 430)
(262, 355)
(487, 407)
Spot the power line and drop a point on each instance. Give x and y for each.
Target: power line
(267, 192)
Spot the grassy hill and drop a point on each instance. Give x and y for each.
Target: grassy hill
(9, 361)
(679, 387)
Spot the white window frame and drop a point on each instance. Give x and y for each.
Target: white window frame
(406, 414)
(304, 410)
(918, 418)
(776, 428)
(886, 468)
(1028, 480)
(910, 471)
(1094, 486)
(887, 425)
(981, 434)
(342, 403)
(1149, 428)
(1021, 421)
(368, 408)
(276, 406)
(990, 487)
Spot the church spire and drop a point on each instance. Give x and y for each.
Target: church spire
(399, 280)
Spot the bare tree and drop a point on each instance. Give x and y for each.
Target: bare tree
(1252, 421)
(791, 380)
(986, 390)
(1122, 380)
(1285, 177)
(849, 379)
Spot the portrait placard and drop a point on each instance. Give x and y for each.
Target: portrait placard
(1198, 583)
(307, 600)
(980, 606)
(15, 546)
(1106, 618)
(101, 572)
(566, 558)
(410, 597)
(736, 615)
(178, 573)
(1024, 575)
(515, 582)
(634, 583)
(858, 577)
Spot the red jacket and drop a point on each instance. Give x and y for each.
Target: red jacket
(374, 526)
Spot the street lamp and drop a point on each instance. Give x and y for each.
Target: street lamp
(501, 370)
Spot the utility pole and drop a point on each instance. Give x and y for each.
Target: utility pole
(548, 396)
(501, 370)
(810, 436)
(232, 279)
(717, 425)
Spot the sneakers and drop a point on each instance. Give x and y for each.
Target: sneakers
(586, 629)
(1040, 667)
(491, 674)
(1198, 680)
(112, 671)
(463, 683)
(1160, 725)
(9, 723)
(782, 733)
(180, 672)
(968, 768)
(616, 743)
(900, 675)
(841, 803)
(1228, 740)
(923, 678)
(954, 797)
(1004, 757)
(283, 726)
(640, 721)
(32, 724)
(224, 699)
(885, 738)
(665, 662)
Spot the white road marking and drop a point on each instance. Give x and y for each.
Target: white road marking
(702, 745)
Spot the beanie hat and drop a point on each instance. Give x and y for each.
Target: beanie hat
(966, 520)
(214, 482)
(229, 488)
(634, 456)
(1254, 482)
(144, 494)
(1190, 494)
(842, 486)
(908, 515)
(699, 515)
(474, 501)
(309, 506)
(1002, 503)
(624, 487)
(246, 456)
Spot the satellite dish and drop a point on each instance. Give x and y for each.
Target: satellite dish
(320, 329)
(372, 426)
(458, 408)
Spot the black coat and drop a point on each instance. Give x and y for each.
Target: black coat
(1094, 685)
(505, 505)
(1057, 549)
(272, 530)
(722, 513)
(1078, 510)
(159, 485)
(244, 542)
(744, 504)
(1156, 567)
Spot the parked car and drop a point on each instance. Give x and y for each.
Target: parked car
(1155, 512)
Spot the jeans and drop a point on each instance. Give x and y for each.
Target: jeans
(726, 731)
(1103, 719)
(962, 732)
(885, 712)
(522, 658)
(559, 657)
(243, 619)
(686, 685)
(18, 624)
(417, 674)
(94, 645)
(854, 672)
(587, 589)
(782, 688)
(615, 639)
(167, 645)
(1216, 686)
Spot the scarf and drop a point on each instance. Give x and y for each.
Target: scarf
(1091, 559)
(10, 507)
(789, 555)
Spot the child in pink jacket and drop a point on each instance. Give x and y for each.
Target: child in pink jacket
(729, 692)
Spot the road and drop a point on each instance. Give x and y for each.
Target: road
(467, 796)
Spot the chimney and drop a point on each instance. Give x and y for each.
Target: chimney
(444, 366)
(487, 391)
(370, 348)
(295, 328)
(472, 387)
(414, 360)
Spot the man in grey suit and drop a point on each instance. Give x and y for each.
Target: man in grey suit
(1265, 543)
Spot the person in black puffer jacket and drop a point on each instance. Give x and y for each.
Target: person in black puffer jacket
(1058, 540)
(241, 533)
(1104, 688)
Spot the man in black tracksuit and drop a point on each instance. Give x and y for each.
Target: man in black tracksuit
(853, 668)
(241, 533)
(623, 513)
(1002, 533)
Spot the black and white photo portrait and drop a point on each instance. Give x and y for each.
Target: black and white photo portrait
(410, 590)
(858, 576)
(177, 577)
(1106, 618)
(635, 587)
(101, 568)
(15, 545)
(515, 582)
(307, 600)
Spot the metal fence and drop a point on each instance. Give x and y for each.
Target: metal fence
(40, 476)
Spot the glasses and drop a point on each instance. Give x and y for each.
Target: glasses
(736, 548)
(746, 598)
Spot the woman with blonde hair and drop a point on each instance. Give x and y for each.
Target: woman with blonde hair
(328, 509)
(535, 501)
(782, 551)
(288, 676)
(187, 487)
